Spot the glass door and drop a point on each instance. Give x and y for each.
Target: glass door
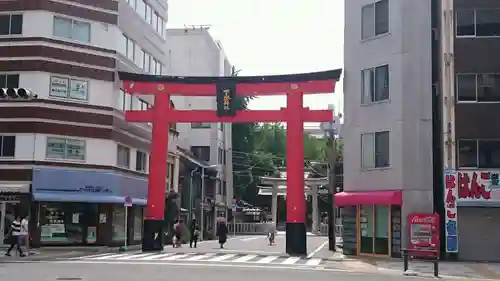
(374, 229)
(366, 227)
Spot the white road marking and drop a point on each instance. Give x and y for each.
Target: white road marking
(313, 262)
(158, 256)
(223, 257)
(317, 250)
(112, 256)
(134, 257)
(245, 258)
(174, 257)
(200, 257)
(291, 260)
(241, 265)
(267, 259)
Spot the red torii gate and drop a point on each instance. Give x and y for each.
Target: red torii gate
(294, 86)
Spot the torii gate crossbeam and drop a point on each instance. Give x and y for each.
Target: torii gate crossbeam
(226, 89)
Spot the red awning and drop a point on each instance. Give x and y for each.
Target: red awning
(369, 198)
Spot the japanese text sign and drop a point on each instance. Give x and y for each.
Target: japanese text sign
(226, 93)
(450, 206)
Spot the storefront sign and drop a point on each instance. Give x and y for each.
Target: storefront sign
(424, 233)
(478, 186)
(450, 205)
(64, 185)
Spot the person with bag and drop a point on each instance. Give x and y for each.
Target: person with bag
(15, 237)
(195, 232)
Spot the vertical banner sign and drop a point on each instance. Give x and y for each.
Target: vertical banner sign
(450, 206)
(226, 93)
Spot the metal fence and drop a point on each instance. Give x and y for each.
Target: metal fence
(257, 228)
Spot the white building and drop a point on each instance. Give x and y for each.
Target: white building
(69, 158)
(193, 52)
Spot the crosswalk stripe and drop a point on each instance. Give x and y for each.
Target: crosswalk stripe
(267, 259)
(158, 256)
(245, 258)
(291, 260)
(112, 256)
(223, 257)
(136, 256)
(200, 257)
(174, 257)
(313, 262)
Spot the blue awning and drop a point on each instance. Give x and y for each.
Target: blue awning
(85, 198)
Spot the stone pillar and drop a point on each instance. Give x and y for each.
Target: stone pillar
(315, 209)
(274, 204)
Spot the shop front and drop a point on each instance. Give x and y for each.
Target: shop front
(14, 200)
(472, 212)
(77, 207)
(371, 222)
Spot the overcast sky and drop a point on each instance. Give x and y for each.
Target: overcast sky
(272, 37)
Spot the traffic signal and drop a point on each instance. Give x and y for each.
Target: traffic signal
(17, 94)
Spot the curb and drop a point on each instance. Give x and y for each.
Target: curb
(428, 275)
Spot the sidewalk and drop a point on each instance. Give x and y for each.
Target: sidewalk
(447, 269)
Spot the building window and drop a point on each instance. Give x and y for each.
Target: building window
(122, 48)
(62, 148)
(375, 19)
(201, 152)
(71, 29)
(478, 23)
(478, 87)
(68, 88)
(200, 126)
(140, 161)
(123, 156)
(479, 153)
(375, 148)
(124, 101)
(130, 49)
(7, 146)
(375, 84)
(9, 80)
(11, 24)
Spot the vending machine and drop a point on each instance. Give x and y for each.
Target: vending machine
(424, 234)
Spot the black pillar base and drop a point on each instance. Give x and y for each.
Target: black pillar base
(296, 239)
(152, 236)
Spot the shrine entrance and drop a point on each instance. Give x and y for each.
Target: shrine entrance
(226, 89)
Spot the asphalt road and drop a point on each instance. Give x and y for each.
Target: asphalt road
(256, 244)
(52, 271)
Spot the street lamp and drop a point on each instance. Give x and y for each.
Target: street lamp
(202, 219)
(329, 131)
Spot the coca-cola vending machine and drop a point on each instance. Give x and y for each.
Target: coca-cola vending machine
(424, 234)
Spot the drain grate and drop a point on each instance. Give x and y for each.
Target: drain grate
(68, 278)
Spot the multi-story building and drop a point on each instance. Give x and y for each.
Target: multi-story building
(69, 158)
(387, 122)
(193, 52)
(421, 94)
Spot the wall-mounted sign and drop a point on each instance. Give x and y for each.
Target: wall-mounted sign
(450, 205)
(226, 93)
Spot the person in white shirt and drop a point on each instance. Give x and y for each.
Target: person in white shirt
(14, 236)
(24, 234)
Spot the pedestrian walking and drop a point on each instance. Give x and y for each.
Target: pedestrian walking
(24, 234)
(222, 232)
(194, 230)
(15, 236)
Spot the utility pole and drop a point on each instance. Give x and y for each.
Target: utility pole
(332, 187)
(329, 133)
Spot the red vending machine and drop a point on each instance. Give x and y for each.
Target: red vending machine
(424, 234)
